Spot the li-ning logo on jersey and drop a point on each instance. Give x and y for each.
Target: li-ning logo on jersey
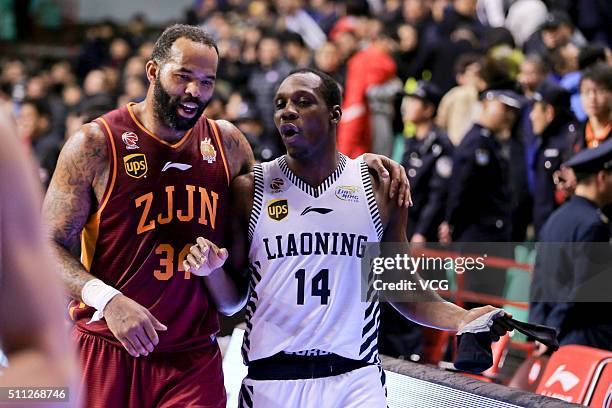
(180, 166)
(348, 193)
(135, 165)
(130, 139)
(319, 210)
(277, 185)
(209, 154)
(278, 209)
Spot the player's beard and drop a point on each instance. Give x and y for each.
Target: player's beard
(166, 108)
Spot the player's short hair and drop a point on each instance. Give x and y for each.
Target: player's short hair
(600, 73)
(330, 88)
(162, 46)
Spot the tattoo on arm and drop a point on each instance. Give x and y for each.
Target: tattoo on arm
(238, 151)
(71, 199)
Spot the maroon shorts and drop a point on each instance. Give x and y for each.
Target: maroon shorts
(113, 378)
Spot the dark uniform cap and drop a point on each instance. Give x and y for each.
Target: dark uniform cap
(426, 91)
(555, 19)
(505, 96)
(593, 160)
(553, 94)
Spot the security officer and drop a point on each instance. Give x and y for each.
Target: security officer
(562, 292)
(428, 162)
(479, 199)
(553, 122)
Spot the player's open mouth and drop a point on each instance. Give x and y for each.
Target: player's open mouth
(289, 130)
(188, 109)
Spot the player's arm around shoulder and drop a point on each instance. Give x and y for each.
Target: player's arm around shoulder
(239, 153)
(225, 272)
(394, 217)
(420, 305)
(78, 182)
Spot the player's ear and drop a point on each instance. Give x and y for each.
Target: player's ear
(152, 70)
(336, 114)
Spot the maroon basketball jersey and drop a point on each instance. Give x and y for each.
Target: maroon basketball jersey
(160, 197)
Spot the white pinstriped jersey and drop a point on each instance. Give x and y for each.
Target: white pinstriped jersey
(305, 263)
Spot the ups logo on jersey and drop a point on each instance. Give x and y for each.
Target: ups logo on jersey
(135, 165)
(278, 209)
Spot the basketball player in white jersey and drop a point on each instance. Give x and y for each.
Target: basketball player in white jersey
(299, 222)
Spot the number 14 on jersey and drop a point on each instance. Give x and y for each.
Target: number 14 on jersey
(319, 285)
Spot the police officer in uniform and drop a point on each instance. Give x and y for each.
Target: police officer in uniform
(428, 162)
(479, 197)
(558, 295)
(479, 205)
(553, 122)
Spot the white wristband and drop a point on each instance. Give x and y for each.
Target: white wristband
(97, 294)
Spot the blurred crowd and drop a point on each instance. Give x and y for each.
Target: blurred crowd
(424, 81)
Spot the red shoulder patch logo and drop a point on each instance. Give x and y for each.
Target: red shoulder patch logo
(130, 139)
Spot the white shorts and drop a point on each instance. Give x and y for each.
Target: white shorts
(360, 388)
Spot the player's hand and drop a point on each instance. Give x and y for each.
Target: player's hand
(444, 234)
(133, 325)
(540, 349)
(499, 328)
(400, 186)
(204, 258)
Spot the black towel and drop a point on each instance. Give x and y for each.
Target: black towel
(474, 344)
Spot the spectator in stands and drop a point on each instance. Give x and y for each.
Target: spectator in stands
(96, 83)
(593, 17)
(462, 13)
(297, 20)
(60, 75)
(557, 29)
(134, 90)
(326, 13)
(596, 96)
(417, 14)
(34, 124)
(250, 124)
(328, 59)
(119, 52)
(371, 66)
(590, 54)
(524, 17)
(264, 79)
(532, 73)
(71, 96)
(460, 106)
(296, 51)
